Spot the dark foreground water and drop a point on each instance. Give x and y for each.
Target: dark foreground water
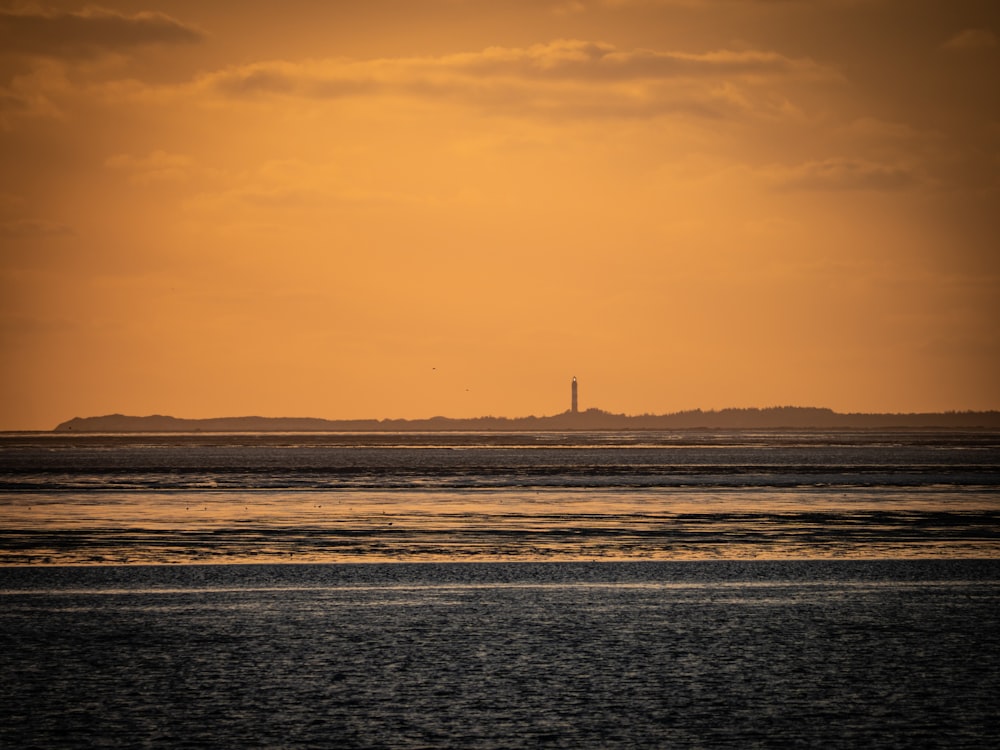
(812, 654)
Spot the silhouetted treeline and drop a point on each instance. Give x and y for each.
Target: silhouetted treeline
(789, 417)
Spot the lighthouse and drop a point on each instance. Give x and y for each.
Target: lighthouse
(573, 407)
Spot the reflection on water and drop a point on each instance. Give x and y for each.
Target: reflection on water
(545, 524)
(79, 499)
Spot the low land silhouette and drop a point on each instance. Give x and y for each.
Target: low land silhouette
(781, 417)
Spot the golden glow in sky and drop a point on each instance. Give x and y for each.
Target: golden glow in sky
(394, 208)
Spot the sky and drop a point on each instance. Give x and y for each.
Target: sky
(412, 208)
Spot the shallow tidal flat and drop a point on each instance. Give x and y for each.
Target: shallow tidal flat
(342, 497)
(184, 527)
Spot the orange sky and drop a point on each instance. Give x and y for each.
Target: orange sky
(406, 208)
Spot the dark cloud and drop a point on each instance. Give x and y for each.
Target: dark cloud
(846, 174)
(88, 32)
(556, 79)
(589, 61)
(286, 78)
(255, 80)
(571, 59)
(562, 60)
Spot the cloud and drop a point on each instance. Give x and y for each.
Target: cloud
(971, 40)
(713, 5)
(45, 55)
(31, 94)
(560, 77)
(158, 166)
(293, 185)
(594, 61)
(32, 228)
(560, 60)
(88, 32)
(843, 174)
(14, 224)
(568, 7)
(15, 105)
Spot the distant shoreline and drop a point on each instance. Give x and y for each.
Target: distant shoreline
(785, 417)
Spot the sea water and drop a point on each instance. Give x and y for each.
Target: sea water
(78, 499)
(589, 590)
(731, 654)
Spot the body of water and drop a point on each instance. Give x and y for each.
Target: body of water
(501, 496)
(699, 654)
(577, 590)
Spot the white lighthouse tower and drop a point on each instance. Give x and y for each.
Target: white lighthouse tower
(574, 406)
